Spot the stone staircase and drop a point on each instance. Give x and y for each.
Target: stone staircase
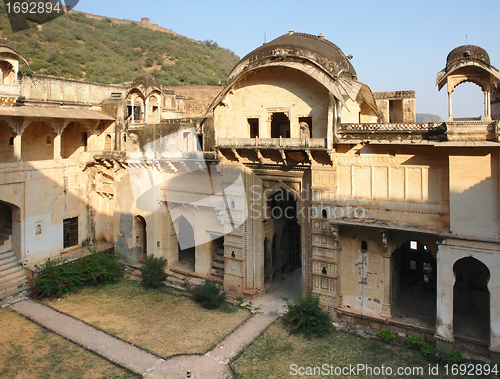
(12, 274)
(5, 236)
(218, 265)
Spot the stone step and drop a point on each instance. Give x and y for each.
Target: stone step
(8, 253)
(7, 258)
(175, 275)
(8, 264)
(217, 272)
(12, 287)
(12, 269)
(174, 280)
(217, 264)
(219, 258)
(16, 273)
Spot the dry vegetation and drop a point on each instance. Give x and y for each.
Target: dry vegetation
(29, 351)
(271, 355)
(158, 322)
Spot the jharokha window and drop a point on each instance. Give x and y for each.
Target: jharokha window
(253, 124)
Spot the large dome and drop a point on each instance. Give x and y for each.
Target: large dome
(466, 53)
(298, 46)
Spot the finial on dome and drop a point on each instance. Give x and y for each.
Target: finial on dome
(291, 32)
(321, 36)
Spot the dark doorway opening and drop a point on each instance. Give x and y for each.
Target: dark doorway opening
(471, 299)
(140, 237)
(280, 125)
(186, 243)
(70, 227)
(414, 284)
(282, 252)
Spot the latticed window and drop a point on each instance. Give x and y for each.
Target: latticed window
(70, 226)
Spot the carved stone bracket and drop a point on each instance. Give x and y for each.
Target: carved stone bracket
(235, 152)
(259, 156)
(283, 155)
(385, 236)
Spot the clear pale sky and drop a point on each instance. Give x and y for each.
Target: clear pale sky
(397, 45)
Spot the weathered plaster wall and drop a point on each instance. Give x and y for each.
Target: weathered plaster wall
(362, 272)
(404, 185)
(474, 193)
(34, 144)
(272, 90)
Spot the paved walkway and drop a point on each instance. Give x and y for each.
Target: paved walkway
(212, 365)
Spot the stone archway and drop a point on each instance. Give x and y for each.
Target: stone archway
(471, 299)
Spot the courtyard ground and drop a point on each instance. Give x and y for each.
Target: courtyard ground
(161, 323)
(30, 351)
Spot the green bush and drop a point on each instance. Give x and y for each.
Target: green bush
(57, 277)
(414, 342)
(386, 336)
(418, 343)
(153, 274)
(306, 316)
(450, 357)
(209, 295)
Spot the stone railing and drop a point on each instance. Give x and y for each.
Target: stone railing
(271, 143)
(422, 127)
(9, 90)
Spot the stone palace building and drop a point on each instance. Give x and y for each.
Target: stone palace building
(297, 165)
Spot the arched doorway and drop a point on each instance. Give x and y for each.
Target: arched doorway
(186, 243)
(139, 235)
(414, 285)
(34, 146)
(471, 299)
(282, 252)
(280, 125)
(73, 140)
(5, 227)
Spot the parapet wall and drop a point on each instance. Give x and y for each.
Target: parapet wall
(144, 23)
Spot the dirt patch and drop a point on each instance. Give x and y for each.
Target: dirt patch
(159, 322)
(30, 351)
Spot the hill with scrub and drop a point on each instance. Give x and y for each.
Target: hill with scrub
(99, 50)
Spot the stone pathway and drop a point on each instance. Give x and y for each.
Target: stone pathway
(212, 365)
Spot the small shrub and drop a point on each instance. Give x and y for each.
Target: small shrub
(153, 274)
(386, 336)
(428, 351)
(306, 316)
(414, 342)
(57, 277)
(450, 357)
(418, 343)
(209, 295)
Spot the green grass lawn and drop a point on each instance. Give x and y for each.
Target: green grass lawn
(278, 354)
(159, 322)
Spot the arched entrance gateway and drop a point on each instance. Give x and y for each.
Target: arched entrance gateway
(471, 299)
(282, 248)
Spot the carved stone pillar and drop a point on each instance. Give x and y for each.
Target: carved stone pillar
(386, 305)
(17, 148)
(444, 302)
(450, 110)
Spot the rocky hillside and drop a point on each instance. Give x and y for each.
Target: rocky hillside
(100, 50)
